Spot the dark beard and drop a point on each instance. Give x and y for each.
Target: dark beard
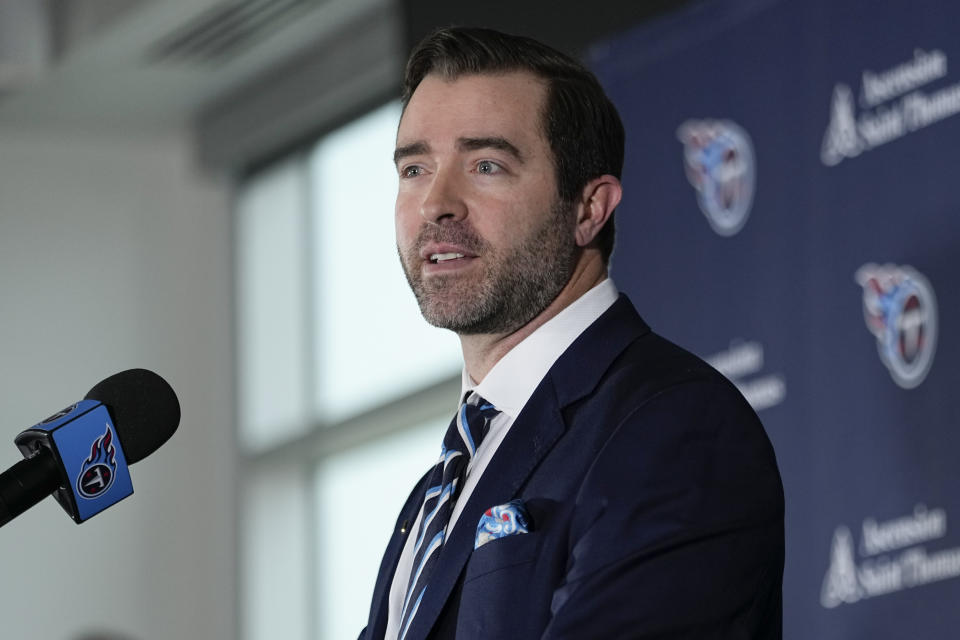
(514, 287)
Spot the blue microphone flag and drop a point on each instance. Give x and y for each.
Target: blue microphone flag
(82, 437)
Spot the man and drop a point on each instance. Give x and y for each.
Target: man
(639, 491)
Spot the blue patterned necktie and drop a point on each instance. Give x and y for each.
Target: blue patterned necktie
(464, 435)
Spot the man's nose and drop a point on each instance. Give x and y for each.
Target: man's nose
(444, 199)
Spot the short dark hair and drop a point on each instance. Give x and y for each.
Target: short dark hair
(580, 122)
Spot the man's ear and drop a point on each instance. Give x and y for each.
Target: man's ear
(598, 199)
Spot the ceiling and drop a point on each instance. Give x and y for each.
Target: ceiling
(151, 64)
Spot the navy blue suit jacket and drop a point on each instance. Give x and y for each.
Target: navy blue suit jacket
(656, 503)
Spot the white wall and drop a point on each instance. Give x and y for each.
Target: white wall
(114, 254)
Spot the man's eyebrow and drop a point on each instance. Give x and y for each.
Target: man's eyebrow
(493, 142)
(463, 144)
(412, 149)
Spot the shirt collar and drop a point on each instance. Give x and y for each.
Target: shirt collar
(513, 379)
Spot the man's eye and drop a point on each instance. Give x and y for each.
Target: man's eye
(411, 171)
(488, 167)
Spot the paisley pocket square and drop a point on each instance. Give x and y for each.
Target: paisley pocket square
(501, 521)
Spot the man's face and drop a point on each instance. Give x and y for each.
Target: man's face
(484, 240)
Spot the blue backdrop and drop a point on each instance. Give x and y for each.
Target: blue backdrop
(792, 213)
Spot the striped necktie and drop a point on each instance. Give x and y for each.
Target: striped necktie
(464, 435)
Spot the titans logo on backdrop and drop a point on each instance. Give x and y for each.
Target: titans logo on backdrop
(718, 158)
(901, 312)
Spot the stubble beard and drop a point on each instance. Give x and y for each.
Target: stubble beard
(514, 286)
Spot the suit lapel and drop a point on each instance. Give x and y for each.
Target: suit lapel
(377, 622)
(531, 437)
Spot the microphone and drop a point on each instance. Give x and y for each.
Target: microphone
(81, 454)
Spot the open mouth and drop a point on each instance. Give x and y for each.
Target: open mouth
(440, 258)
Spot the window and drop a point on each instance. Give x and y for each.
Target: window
(344, 391)
(373, 345)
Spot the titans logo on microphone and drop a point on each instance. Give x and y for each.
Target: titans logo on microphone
(100, 467)
(718, 157)
(901, 311)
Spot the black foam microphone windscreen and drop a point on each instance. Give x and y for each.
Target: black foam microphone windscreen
(143, 407)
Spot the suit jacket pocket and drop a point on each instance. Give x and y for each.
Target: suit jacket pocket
(503, 553)
(504, 577)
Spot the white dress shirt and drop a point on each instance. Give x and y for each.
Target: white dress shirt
(508, 386)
